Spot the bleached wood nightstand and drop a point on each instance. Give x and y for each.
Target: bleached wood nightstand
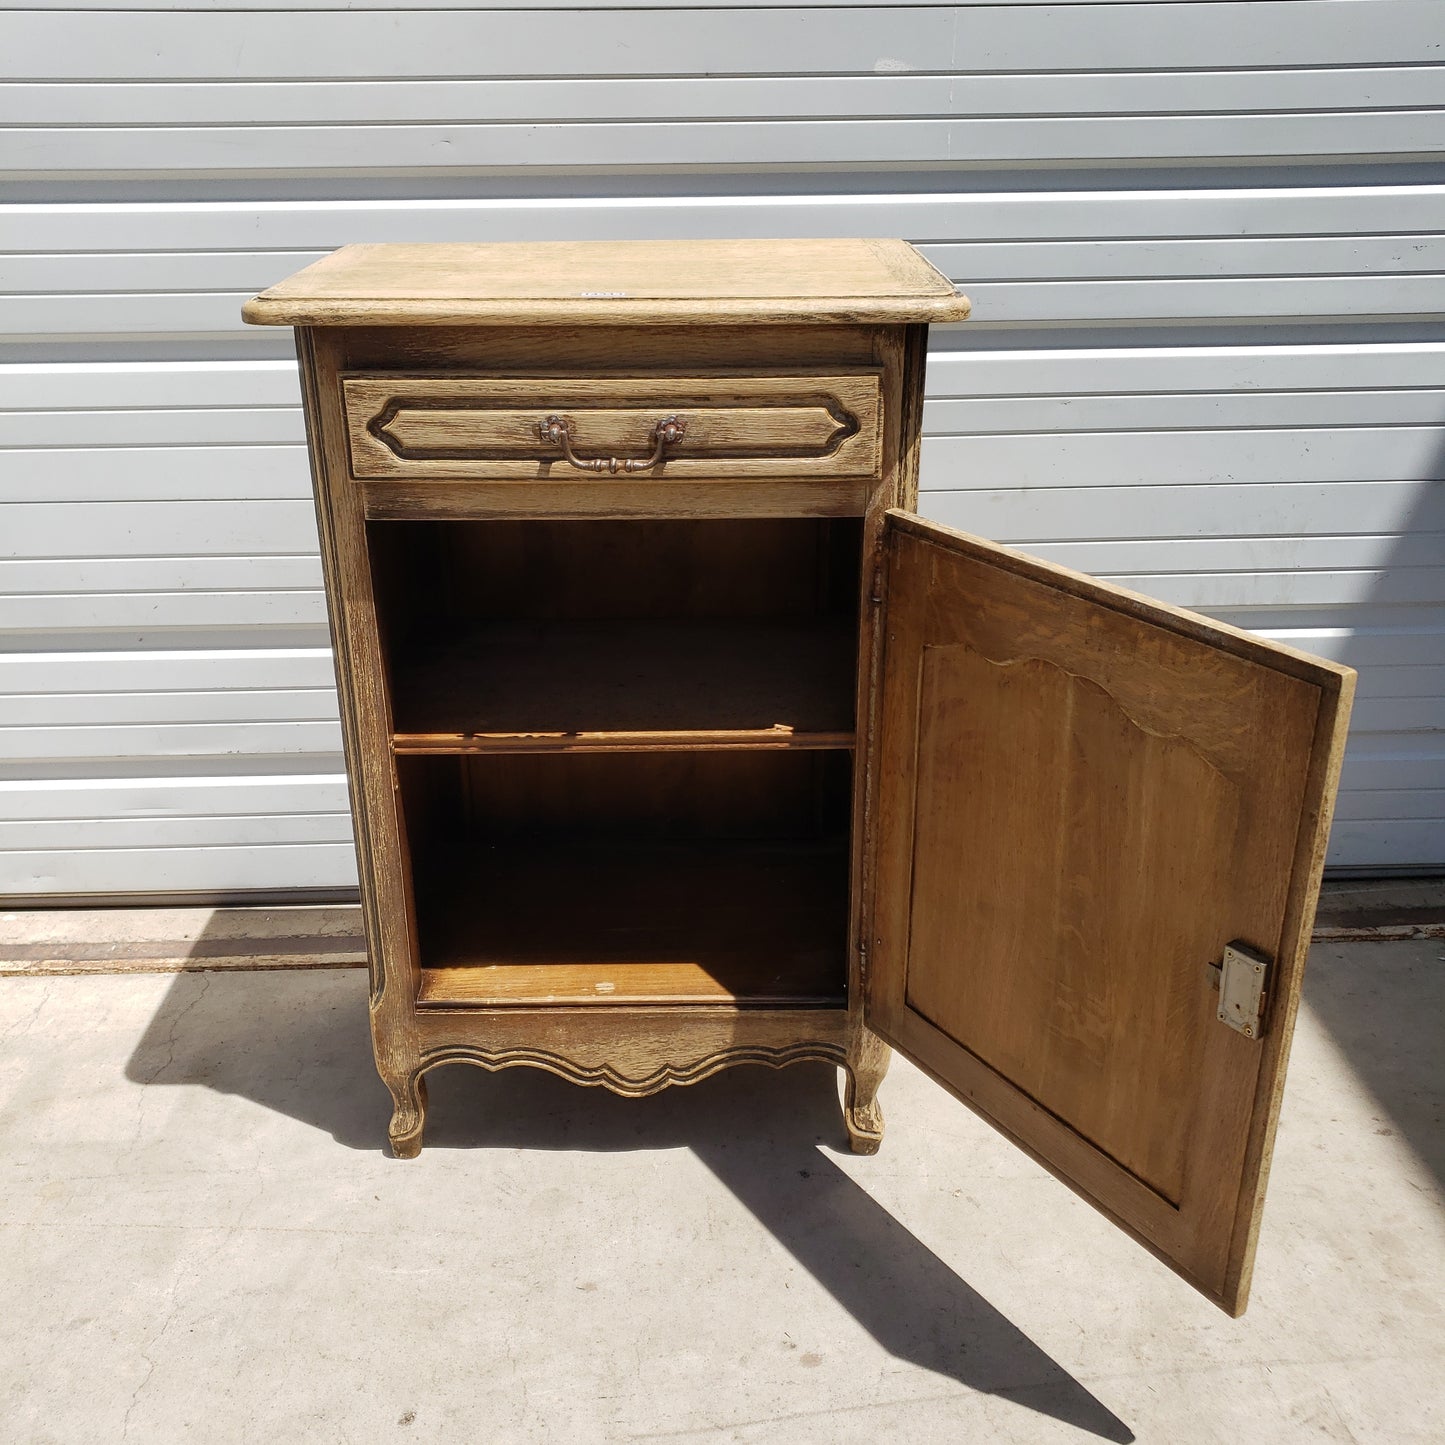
(677, 740)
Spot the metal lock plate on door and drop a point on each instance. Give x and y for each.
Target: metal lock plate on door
(1241, 980)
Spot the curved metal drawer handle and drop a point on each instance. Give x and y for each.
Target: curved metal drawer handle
(558, 431)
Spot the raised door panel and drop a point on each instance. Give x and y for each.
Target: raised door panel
(1082, 798)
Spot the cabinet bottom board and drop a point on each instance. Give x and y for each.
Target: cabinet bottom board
(639, 923)
(530, 985)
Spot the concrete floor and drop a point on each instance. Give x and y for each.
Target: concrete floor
(204, 1241)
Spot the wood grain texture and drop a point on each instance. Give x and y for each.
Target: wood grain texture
(728, 921)
(612, 498)
(866, 1063)
(712, 886)
(631, 1051)
(602, 985)
(591, 283)
(447, 577)
(715, 877)
(736, 425)
(561, 634)
(1083, 797)
(442, 352)
(902, 352)
(382, 861)
(627, 1050)
(757, 795)
(1285, 988)
(598, 684)
(656, 345)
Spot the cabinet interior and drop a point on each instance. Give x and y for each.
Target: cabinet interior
(624, 752)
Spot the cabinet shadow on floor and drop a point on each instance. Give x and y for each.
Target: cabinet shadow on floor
(296, 1042)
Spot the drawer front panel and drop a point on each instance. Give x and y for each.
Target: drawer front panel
(647, 427)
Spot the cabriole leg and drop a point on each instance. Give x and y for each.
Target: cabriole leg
(408, 1118)
(866, 1064)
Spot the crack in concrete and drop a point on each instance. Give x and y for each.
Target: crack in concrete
(192, 1270)
(176, 1022)
(170, 1058)
(14, 1029)
(149, 1358)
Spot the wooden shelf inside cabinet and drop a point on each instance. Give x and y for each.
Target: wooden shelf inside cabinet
(615, 922)
(598, 686)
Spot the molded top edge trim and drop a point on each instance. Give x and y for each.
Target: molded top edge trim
(613, 283)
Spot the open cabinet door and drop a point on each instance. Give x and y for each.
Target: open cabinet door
(1082, 800)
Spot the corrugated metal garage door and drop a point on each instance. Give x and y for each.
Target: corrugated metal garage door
(1203, 240)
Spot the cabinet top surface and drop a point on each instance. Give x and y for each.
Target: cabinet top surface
(613, 283)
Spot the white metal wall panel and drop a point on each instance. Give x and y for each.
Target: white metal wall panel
(1205, 242)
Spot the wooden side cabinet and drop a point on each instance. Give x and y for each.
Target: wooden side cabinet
(677, 740)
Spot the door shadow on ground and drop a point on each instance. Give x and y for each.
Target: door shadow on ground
(1383, 1006)
(297, 1043)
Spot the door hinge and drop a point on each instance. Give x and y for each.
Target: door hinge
(1241, 978)
(875, 591)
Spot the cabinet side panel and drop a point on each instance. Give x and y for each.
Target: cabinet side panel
(910, 412)
(901, 352)
(382, 862)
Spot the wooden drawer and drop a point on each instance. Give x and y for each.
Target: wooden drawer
(724, 425)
